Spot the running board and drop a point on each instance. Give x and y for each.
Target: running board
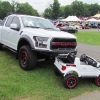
(11, 49)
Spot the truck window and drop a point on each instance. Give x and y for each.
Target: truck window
(16, 21)
(9, 20)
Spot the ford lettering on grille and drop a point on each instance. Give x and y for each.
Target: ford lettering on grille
(64, 43)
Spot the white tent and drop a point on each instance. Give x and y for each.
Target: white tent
(71, 18)
(97, 16)
(92, 20)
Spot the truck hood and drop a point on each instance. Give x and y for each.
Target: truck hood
(48, 33)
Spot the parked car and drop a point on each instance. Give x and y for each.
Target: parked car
(94, 25)
(70, 29)
(58, 25)
(85, 27)
(78, 27)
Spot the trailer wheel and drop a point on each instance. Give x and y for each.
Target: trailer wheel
(97, 81)
(70, 81)
(27, 58)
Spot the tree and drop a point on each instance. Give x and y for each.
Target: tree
(61, 14)
(25, 8)
(5, 7)
(94, 8)
(55, 9)
(14, 6)
(67, 11)
(77, 8)
(0, 9)
(86, 10)
(47, 13)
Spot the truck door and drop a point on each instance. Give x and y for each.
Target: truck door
(11, 36)
(14, 35)
(5, 31)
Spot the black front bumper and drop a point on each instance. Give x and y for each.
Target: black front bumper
(55, 53)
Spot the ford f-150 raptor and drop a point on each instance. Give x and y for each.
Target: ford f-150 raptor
(33, 37)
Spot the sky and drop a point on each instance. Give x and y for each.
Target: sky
(41, 5)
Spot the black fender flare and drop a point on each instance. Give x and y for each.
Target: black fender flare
(24, 40)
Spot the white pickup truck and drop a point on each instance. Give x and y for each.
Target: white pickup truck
(32, 37)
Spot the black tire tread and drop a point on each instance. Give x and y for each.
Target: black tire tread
(96, 81)
(32, 58)
(68, 76)
(57, 73)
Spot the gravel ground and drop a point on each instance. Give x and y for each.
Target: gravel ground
(89, 30)
(91, 50)
(95, 95)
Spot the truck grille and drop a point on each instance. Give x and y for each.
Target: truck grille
(63, 44)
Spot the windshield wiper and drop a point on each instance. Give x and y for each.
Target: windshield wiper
(48, 28)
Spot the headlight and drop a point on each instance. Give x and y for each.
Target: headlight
(40, 42)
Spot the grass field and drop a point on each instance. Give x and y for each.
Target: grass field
(88, 37)
(41, 83)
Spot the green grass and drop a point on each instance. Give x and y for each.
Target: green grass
(41, 83)
(92, 38)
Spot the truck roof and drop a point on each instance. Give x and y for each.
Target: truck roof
(22, 15)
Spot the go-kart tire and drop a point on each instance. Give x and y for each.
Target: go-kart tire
(27, 58)
(97, 81)
(56, 71)
(70, 81)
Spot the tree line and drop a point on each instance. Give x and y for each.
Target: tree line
(15, 7)
(77, 8)
(54, 10)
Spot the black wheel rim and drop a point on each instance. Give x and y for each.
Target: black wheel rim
(24, 58)
(71, 82)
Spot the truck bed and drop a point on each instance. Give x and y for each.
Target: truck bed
(67, 59)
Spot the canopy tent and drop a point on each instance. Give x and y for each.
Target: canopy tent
(97, 16)
(92, 20)
(71, 18)
(99, 20)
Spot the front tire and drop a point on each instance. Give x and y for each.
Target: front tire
(27, 58)
(97, 81)
(70, 81)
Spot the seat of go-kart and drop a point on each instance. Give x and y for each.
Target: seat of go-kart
(88, 60)
(71, 57)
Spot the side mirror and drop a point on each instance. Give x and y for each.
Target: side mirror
(14, 26)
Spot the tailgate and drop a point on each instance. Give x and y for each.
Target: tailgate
(64, 60)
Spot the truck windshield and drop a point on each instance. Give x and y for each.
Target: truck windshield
(34, 22)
